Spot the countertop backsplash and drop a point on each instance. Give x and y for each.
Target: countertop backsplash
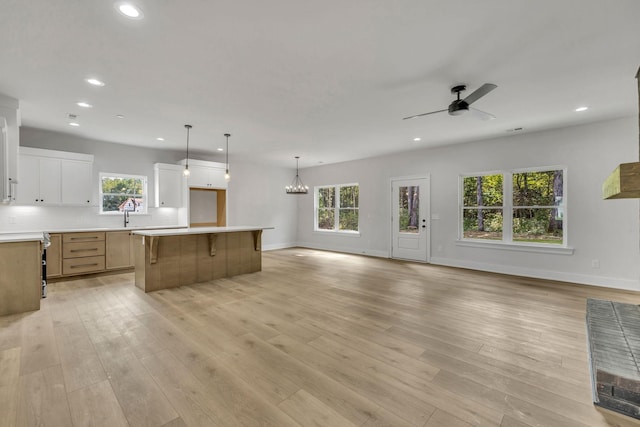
(17, 219)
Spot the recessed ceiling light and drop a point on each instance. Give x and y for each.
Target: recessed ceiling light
(84, 105)
(75, 124)
(120, 116)
(579, 109)
(129, 10)
(95, 82)
(220, 149)
(159, 139)
(417, 139)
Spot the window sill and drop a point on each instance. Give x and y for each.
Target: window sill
(339, 233)
(121, 214)
(517, 247)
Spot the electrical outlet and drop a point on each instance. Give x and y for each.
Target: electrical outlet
(595, 263)
(12, 220)
(439, 248)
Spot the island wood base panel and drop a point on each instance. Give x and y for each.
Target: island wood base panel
(163, 262)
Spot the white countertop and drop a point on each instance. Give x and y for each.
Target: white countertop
(90, 229)
(198, 230)
(21, 237)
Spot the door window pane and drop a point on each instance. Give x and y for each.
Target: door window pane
(409, 209)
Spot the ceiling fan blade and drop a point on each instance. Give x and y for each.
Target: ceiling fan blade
(479, 93)
(424, 114)
(482, 115)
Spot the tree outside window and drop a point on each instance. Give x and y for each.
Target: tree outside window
(337, 208)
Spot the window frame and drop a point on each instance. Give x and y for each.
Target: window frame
(336, 208)
(145, 192)
(508, 209)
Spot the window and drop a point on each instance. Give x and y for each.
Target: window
(526, 205)
(538, 209)
(337, 213)
(482, 209)
(123, 192)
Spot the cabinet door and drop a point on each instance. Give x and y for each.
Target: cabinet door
(38, 181)
(199, 177)
(118, 250)
(216, 178)
(76, 182)
(169, 188)
(28, 191)
(54, 256)
(49, 181)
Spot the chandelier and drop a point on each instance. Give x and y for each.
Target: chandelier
(296, 187)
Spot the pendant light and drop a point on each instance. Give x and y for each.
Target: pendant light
(186, 172)
(296, 187)
(227, 177)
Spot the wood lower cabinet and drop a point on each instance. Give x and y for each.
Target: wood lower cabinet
(119, 250)
(54, 256)
(83, 253)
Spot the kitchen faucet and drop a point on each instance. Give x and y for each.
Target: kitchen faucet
(126, 218)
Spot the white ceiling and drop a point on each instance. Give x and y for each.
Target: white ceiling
(327, 80)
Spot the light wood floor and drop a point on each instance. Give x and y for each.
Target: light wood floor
(315, 339)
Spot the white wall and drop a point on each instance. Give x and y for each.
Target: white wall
(604, 230)
(253, 196)
(256, 197)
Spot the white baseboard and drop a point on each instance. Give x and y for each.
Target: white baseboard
(356, 251)
(585, 279)
(276, 246)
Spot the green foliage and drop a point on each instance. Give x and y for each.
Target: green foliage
(348, 219)
(326, 197)
(533, 189)
(117, 190)
(326, 219)
(349, 196)
(490, 194)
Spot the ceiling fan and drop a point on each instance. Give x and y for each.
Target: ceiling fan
(461, 106)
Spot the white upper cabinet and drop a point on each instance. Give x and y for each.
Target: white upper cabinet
(9, 136)
(47, 177)
(168, 185)
(76, 182)
(39, 180)
(206, 174)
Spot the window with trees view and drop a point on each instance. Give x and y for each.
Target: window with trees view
(120, 193)
(337, 208)
(519, 206)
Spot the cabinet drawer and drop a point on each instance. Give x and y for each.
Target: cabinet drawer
(83, 237)
(82, 249)
(82, 265)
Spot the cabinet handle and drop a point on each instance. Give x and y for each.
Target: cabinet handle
(83, 250)
(84, 265)
(84, 238)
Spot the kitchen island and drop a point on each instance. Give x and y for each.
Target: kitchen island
(171, 258)
(20, 272)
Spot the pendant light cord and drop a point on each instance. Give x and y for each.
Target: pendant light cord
(188, 128)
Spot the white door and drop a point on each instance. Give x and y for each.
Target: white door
(410, 218)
